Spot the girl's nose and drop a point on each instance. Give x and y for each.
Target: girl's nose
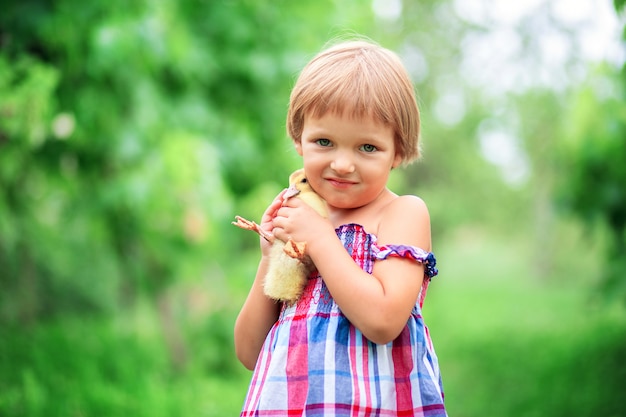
(342, 164)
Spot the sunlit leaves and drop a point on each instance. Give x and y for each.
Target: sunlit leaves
(596, 147)
(593, 155)
(26, 99)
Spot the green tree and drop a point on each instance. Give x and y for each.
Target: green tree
(594, 172)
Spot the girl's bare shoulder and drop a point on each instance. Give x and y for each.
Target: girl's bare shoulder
(405, 220)
(407, 205)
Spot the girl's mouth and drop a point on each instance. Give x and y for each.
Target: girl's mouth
(340, 183)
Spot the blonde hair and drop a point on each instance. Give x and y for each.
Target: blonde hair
(358, 79)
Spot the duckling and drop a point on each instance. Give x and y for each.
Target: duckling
(289, 266)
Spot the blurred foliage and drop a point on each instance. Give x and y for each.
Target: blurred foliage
(593, 186)
(104, 368)
(131, 133)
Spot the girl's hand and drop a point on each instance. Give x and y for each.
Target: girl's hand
(296, 220)
(267, 221)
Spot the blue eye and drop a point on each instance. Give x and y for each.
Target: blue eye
(323, 142)
(369, 148)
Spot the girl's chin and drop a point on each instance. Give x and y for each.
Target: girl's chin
(342, 203)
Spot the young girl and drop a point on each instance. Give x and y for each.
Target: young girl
(355, 343)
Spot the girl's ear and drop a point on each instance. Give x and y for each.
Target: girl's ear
(298, 145)
(397, 160)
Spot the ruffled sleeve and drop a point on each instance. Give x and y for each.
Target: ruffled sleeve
(410, 252)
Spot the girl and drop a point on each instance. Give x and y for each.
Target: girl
(355, 343)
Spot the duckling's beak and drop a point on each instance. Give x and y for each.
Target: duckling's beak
(292, 191)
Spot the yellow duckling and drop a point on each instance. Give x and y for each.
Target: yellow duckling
(289, 267)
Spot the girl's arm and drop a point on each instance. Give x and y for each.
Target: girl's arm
(259, 312)
(379, 304)
(254, 321)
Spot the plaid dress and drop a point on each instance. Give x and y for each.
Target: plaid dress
(314, 362)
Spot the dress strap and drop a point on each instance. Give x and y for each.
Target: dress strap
(410, 252)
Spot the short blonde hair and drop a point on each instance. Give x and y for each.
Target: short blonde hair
(358, 79)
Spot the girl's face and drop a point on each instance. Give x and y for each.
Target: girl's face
(347, 160)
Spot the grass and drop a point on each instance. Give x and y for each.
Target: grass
(99, 367)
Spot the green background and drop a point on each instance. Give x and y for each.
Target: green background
(132, 132)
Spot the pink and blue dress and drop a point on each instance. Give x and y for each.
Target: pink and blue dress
(314, 362)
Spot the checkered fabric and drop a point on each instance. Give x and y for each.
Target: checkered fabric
(316, 363)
